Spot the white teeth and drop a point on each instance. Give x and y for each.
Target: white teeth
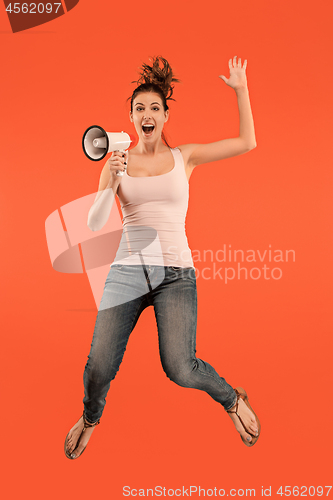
(148, 128)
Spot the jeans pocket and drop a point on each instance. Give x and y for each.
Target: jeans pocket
(118, 267)
(190, 274)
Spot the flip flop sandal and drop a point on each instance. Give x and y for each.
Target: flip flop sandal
(86, 424)
(241, 393)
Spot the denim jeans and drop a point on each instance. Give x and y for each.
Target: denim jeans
(172, 291)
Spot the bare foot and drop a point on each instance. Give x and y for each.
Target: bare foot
(247, 417)
(78, 438)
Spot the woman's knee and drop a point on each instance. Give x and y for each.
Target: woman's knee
(182, 373)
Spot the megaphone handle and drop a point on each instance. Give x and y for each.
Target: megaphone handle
(120, 173)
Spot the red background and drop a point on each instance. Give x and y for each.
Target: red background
(271, 336)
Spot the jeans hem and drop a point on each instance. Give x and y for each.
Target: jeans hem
(233, 404)
(87, 419)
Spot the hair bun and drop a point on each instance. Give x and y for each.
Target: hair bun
(157, 75)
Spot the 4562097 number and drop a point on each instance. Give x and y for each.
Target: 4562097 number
(33, 8)
(304, 491)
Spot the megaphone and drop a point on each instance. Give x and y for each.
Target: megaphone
(97, 143)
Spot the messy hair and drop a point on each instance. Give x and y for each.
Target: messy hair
(158, 79)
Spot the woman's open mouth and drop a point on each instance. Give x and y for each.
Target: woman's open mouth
(148, 130)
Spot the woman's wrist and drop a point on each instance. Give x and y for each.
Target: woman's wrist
(242, 90)
(114, 180)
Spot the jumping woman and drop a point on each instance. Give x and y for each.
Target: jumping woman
(153, 265)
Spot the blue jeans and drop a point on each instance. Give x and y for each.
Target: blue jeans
(172, 291)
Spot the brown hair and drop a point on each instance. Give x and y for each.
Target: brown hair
(156, 79)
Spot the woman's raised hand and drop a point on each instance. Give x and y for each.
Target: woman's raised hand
(237, 78)
(118, 162)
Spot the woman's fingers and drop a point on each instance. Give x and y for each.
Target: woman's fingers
(237, 77)
(118, 160)
(234, 64)
(118, 154)
(117, 163)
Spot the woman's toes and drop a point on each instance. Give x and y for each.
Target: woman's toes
(254, 424)
(79, 450)
(247, 437)
(71, 450)
(253, 428)
(76, 453)
(69, 443)
(72, 440)
(68, 447)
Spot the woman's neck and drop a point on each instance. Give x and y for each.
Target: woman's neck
(151, 149)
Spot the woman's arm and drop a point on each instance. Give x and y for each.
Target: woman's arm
(196, 154)
(107, 190)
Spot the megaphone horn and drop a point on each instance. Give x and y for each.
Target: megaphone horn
(97, 143)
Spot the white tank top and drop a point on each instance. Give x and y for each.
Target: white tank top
(154, 210)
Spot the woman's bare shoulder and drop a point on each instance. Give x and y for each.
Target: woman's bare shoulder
(186, 150)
